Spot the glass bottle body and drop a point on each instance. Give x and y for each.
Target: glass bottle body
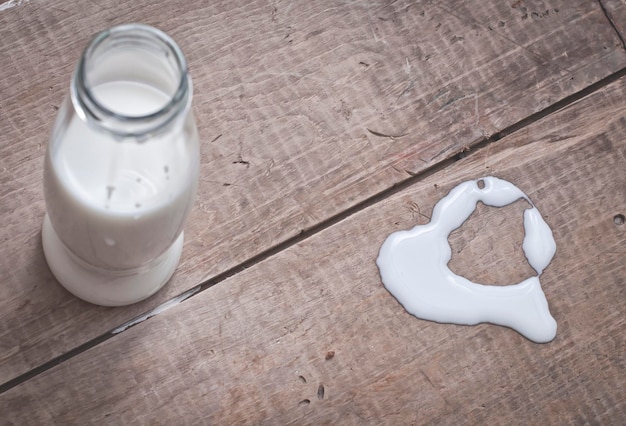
(121, 169)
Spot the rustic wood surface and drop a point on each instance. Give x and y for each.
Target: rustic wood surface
(294, 100)
(311, 336)
(615, 11)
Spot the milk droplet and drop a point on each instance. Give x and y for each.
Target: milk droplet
(539, 245)
(414, 267)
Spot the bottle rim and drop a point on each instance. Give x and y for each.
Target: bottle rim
(89, 107)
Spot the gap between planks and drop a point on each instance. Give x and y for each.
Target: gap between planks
(327, 223)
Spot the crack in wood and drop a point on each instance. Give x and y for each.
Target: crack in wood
(320, 392)
(385, 135)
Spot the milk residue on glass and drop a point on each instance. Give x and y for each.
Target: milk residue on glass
(414, 267)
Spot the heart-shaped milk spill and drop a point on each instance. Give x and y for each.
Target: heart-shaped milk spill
(414, 267)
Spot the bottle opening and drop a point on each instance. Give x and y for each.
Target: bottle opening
(131, 80)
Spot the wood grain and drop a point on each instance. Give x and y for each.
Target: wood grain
(292, 99)
(615, 11)
(258, 347)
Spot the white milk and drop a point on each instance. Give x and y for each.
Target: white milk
(117, 205)
(414, 267)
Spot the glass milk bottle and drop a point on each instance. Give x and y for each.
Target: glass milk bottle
(121, 169)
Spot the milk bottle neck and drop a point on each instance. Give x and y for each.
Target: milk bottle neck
(138, 55)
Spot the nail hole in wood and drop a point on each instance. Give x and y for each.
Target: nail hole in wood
(619, 219)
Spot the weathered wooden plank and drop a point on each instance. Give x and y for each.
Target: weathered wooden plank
(311, 336)
(301, 92)
(615, 11)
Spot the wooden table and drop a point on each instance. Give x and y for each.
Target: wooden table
(325, 126)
